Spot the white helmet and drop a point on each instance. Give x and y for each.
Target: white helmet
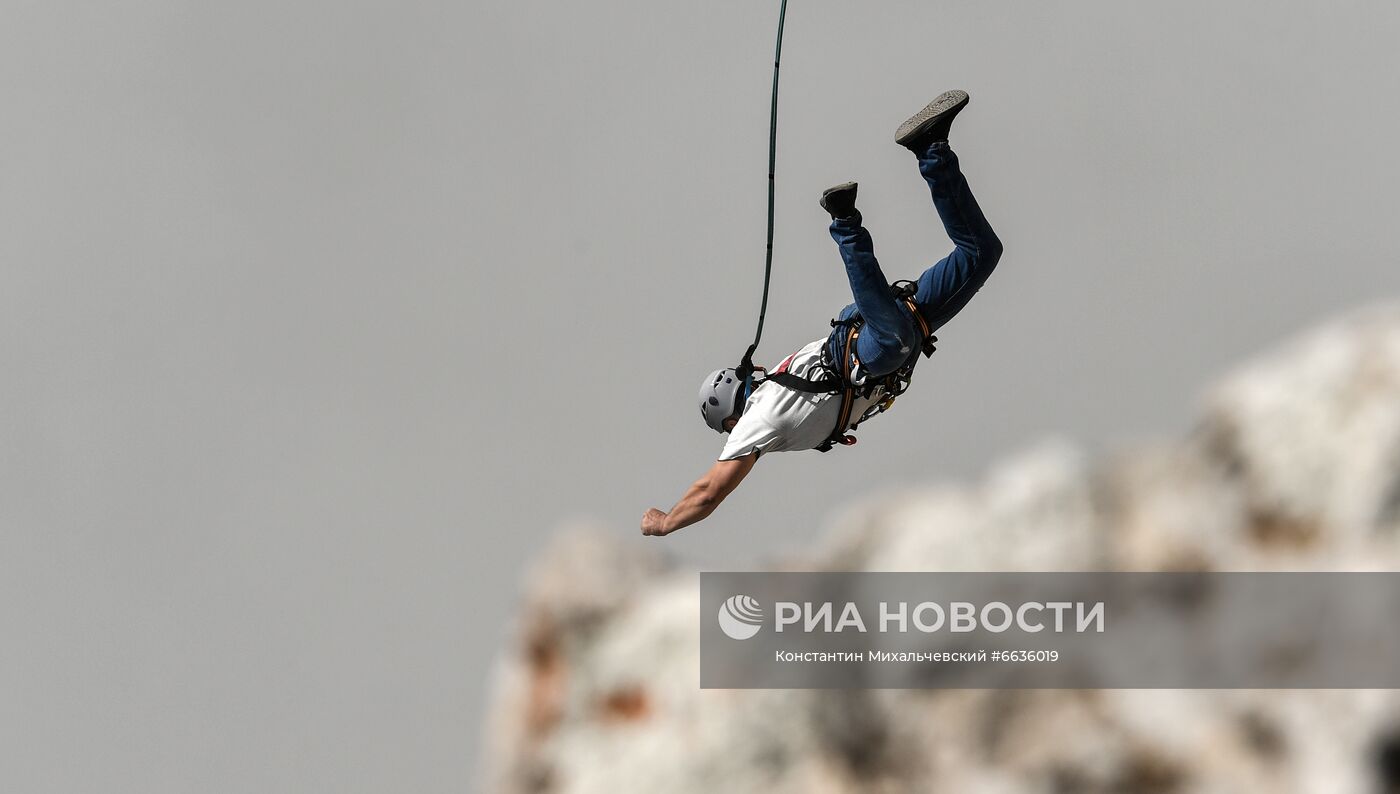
(721, 395)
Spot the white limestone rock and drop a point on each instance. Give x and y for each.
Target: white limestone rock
(1295, 466)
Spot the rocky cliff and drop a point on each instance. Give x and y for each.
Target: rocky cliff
(1294, 465)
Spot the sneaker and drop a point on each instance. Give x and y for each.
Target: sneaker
(840, 200)
(931, 124)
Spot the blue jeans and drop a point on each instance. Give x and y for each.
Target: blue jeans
(890, 336)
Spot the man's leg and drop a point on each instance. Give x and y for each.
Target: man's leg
(947, 286)
(889, 335)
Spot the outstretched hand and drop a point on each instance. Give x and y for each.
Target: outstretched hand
(701, 499)
(654, 522)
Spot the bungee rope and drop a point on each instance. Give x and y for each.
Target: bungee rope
(835, 382)
(746, 366)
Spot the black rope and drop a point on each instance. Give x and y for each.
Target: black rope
(747, 364)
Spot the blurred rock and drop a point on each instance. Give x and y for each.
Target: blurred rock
(1312, 433)
(1295, 466)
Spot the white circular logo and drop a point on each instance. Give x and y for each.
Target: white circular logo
(740, 617)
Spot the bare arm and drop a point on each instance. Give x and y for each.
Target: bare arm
(701, 499)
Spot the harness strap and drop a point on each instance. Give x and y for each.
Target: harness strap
(806, 385)
(918, 317)
(848, 396)
(925, 334)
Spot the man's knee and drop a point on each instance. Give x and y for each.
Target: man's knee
(989, 250)
(888, 347)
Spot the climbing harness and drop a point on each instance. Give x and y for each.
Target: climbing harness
(836, 380)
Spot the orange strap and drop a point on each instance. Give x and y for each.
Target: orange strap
(918, 318)
(848, 396)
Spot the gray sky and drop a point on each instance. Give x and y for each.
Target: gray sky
(320, 317)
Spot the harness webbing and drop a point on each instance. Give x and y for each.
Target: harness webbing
(924, 332)
(840, 383)
(848, 394)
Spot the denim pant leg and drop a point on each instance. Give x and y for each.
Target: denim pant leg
(889, 335)
(945, 288)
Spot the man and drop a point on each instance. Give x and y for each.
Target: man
(825, 389)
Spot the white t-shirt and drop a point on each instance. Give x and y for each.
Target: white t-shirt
(778, 419)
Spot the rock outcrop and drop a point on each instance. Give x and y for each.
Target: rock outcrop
(1295, 465)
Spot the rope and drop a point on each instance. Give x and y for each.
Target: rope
(747, 365)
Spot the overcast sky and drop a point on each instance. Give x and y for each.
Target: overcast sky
(319, 317)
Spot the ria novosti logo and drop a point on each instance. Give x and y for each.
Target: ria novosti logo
(740, 617)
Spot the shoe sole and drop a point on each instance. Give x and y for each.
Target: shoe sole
(835, 189)
(919, 123)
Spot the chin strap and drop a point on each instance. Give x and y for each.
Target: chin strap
(745, 371)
